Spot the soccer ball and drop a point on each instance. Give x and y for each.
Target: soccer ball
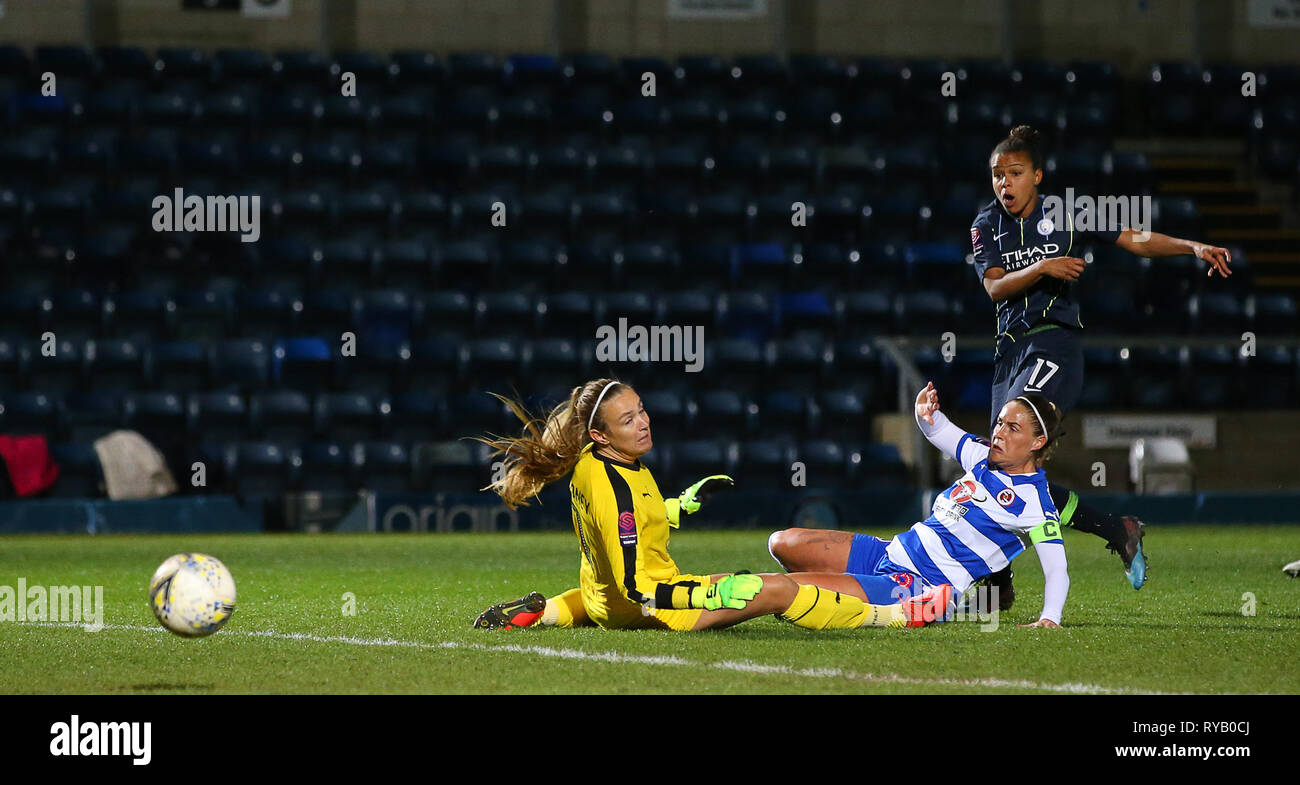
(192, 594)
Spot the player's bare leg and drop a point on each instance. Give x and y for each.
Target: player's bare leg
(811, 550)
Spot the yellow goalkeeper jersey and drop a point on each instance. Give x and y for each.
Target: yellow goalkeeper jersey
(622, 527)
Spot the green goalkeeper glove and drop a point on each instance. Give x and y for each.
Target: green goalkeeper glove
(733, 591)
(690, 499)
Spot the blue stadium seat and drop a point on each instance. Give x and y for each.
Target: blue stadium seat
(241, 365)
(1271, 377)
(299, 66)
(447, 312)
(62, 372)
(159, 416)
(636, 307)
(418, 416)
(570, 313)
(80, 473)
(328, 467)
(266, 312)
(645, 262)
(700, 458)
(388, 314)
(784, 413)
(1273, 314)
(1217, 371)
(78, 313)
(564, 163)
(417, 68)
(843, 411)
(348, 417)
(825, 463)
(302, 363)
(31, 413)
(281, 415)
(437, 362)
(181, 366)
(857, 363)
(1105, 384)
(477, 413)
(723, 413)
(203, 315)
(493, 358)
(867, 312)
(115, 365)
(179, 63)
(86, 416)
(747, 315)
(449, 466)
(509, 311)
(380, 366)
(621, 165)
(167, 110)
(242, 64)
(264, 469)
(464, 262)
(1155, 380)
(801, 364)
(765, 464)
(880, 466)
(689, 308)
(1216, 314)
(330, 311)
(218, 417)
(370, 67)
(763, 263)
(973, 378)
(806, 311)
(386, 467)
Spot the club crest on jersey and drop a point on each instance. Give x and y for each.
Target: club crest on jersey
(1045, 227)
(1006, 497)
(626, 527)
(966, 490)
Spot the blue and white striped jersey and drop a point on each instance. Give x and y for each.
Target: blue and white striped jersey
(975, 525)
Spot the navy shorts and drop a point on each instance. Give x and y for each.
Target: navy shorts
(879, 577)
(1048, 362)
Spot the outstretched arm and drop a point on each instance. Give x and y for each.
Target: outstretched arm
(960, 445)
(1051, 555)
(1156, 244)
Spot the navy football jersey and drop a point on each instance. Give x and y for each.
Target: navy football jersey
(1001, 240)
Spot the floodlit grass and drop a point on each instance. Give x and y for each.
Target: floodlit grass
(416, 595)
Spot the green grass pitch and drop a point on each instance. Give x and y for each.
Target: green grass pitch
(416, 596)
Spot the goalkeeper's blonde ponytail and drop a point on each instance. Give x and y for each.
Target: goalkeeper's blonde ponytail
(548, 448)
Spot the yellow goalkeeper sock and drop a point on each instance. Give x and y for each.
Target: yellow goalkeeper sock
(565, 610)
(822, 609)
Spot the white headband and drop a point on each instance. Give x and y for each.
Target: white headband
(599, 398)
(1042, 426)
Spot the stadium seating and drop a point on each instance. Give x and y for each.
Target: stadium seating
(377, 221)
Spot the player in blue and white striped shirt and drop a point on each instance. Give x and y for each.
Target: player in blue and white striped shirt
(975, 526)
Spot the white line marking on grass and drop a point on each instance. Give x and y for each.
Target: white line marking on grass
(643, 659)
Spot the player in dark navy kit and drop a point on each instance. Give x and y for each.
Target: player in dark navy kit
(1026, 257)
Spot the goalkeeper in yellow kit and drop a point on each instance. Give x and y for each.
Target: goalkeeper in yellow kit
(627, 579)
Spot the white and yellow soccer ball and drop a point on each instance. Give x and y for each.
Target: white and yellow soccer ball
(192, 594)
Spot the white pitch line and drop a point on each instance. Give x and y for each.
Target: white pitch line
(642, 659)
